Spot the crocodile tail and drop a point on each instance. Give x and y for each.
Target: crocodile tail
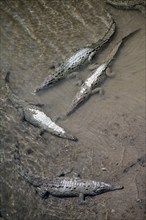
(20, 168)
(141, 8)
(65, 135)
(111, 27)
(23, 171)
(108, 35)
(11, 96)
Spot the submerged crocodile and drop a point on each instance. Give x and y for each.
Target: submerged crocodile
(89, 87)
(131, 4)
(35, 116)
(62, 186)
(80, 58)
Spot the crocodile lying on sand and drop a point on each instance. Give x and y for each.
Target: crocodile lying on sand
(35, 116)
(90, 86)
(62, 186)
(80, 58)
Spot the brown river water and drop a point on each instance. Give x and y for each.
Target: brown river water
(111, 128)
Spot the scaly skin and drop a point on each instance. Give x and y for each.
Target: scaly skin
(36, 117)
(63, 186)
(131, 4)
(89, 86)
(80, 58)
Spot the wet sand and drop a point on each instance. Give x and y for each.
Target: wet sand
(110, 127)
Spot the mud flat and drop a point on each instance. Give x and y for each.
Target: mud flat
(110, 128)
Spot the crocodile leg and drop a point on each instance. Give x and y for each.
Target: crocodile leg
(93, 67)
(22, 116)
(42, 192)
(41, 132)
(79, 82)
(54, 66)
(90, 58)
(72, 75)
(58, 118)
(82, 198)
(77, 76)
(109, 73)
(63, 173)
(61, 118)
(77, 49)
(74, 174)
(40, 105)
(97, 90)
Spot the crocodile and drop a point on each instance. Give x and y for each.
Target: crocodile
(81, 57)
(33, 114)
(62, 186)
(90, 85)
(131, 5)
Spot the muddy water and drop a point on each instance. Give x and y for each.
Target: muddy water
(110, 128)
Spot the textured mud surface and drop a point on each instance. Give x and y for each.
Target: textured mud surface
(110, 128)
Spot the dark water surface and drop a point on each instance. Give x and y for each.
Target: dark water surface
(110, 128)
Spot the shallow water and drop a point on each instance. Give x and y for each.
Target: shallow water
(110, 128)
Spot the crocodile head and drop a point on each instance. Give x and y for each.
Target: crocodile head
(68, 136)
(80, 97)
(105, 187)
